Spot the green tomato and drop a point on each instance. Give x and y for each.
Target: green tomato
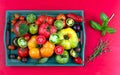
(63, 58)
(59, 24)
(68, 38)
(54, 38)
(22, 42)
(33, 29)
(31, 18)
(70, 22)
(42, 60)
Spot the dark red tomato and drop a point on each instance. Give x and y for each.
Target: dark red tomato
(53, 29)
(59, 49)
(40, 39)
(38, 22)
(23, 52)
(27, 37)
(41, 18)
(78, 60)
(49, 20)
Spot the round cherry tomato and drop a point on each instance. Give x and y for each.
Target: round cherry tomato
(59, 49)
(40, 39)
(23, 52)
(78, 60)
(61, 17)
(27, 37)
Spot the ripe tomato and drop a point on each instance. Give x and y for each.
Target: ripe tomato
(78, 60)
(40, 39)
(41, 18)
(53, 29)
(27, 37)
(37, 22)
(23, 52)
(49, 20)
(59, 49)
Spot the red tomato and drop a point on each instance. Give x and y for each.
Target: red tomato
(76, 17)
(59, 49)
(27, 37)
(40, 39)
(53, 29)
(41, 18)
(44, 29)
(78, 60)
(49, 20)
(37, 22)
(23, 52)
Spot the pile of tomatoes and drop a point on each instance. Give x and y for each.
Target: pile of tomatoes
(39, 37)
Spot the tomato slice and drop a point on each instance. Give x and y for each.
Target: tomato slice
(40, 39)
(59, 49)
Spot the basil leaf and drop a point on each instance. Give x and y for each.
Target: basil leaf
(23, 29)
(103, 17)
(111, 30)
(105, 23)
(95, 25)
(103, 32)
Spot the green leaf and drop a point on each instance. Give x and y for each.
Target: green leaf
(103, 32)
(23, 29)
(95, 25)
(111, 30)
(105, 23)
(103, 17)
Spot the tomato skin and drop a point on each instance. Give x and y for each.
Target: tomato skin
(61, 17)
(75, 17)
(59, 49)
(40, 39)
(41, 18)
(78, 60)
(49, 20)
(37, 22)
(27, 37)
(23, 52)
(53, 29)
(46, 29)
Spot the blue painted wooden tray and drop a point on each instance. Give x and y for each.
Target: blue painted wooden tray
(8, 36)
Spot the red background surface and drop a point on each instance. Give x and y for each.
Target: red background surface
(106, 64)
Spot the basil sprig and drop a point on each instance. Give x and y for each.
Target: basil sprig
(104, 27)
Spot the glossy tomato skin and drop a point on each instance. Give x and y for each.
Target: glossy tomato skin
(78, 60)
(49, 20)
(41, 18)
(27, 37)
(53, 29)
(46, 29)
(75, 17)
(38, 22)
(23, 52)
(40, 39)
(59, 49)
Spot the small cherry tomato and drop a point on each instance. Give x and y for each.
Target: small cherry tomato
(27, 37)
(78, 60)
(23, 52)
(40, 39)
(59, 49)
(16, 16)
(11, 47)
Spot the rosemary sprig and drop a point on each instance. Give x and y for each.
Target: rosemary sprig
(101, 47)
